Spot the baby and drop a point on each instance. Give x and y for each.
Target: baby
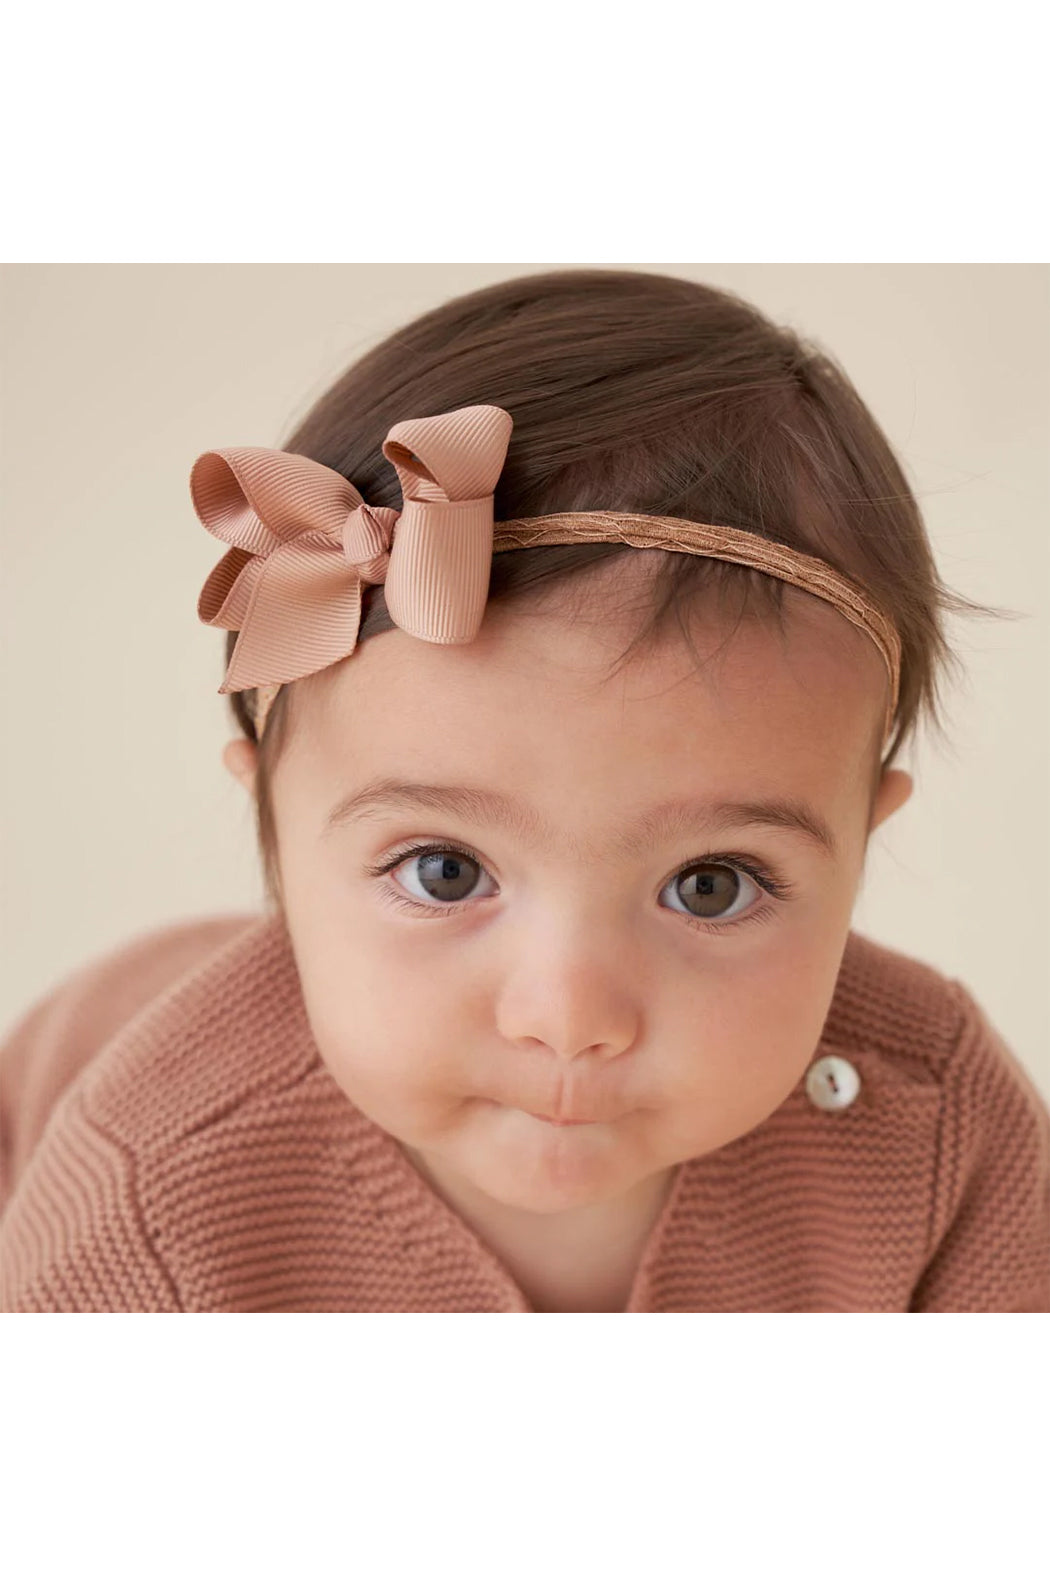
(557, 1006)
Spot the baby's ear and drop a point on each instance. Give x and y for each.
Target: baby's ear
(894, 790)
(239, 758)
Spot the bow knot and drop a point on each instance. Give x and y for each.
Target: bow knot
(302, 543)
(367, 536)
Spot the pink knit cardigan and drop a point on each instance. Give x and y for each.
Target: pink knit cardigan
(172, 1142)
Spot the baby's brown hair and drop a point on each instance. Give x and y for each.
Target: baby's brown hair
(646, 393)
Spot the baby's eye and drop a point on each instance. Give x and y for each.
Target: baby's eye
(712, 891)
(445, 874)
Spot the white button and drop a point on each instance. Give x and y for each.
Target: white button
(832, 1083)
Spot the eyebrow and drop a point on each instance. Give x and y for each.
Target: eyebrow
(488, 807)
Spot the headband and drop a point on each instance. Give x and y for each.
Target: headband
(303, 543)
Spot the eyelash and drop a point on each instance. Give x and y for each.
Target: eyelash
(778, 889)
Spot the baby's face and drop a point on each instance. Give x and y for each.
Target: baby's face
(563, 960)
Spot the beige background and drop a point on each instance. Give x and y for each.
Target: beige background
(117, 815)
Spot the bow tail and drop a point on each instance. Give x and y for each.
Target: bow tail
(304, 613)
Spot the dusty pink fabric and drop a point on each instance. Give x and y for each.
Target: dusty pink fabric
(172, 1142)
(303, 544)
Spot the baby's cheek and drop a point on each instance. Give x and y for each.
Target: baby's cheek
(744, 1053)
(382, 1056)
(728, 1099)
(776, 1008)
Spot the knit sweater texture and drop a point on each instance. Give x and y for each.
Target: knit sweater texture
(173, 1142)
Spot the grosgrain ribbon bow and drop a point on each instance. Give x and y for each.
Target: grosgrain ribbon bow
(303, 543)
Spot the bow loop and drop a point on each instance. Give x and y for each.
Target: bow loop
(450, 458)
(437, 581)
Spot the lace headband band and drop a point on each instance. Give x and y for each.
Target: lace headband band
(302, 544)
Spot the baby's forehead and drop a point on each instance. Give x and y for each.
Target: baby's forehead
(535, 693)
(578, 648)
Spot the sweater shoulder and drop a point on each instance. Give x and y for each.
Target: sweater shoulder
(88, 1227)
(231, 1029)
(64, 1030)
(920, 1026)
(905, 1011)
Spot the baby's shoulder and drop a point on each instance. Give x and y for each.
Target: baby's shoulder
(888, 1001)
(224, 1030)
(923, 1026)
(67, 1030)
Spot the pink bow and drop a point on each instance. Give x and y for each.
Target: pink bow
(303, 543)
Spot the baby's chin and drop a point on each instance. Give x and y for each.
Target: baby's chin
(526, 1163)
